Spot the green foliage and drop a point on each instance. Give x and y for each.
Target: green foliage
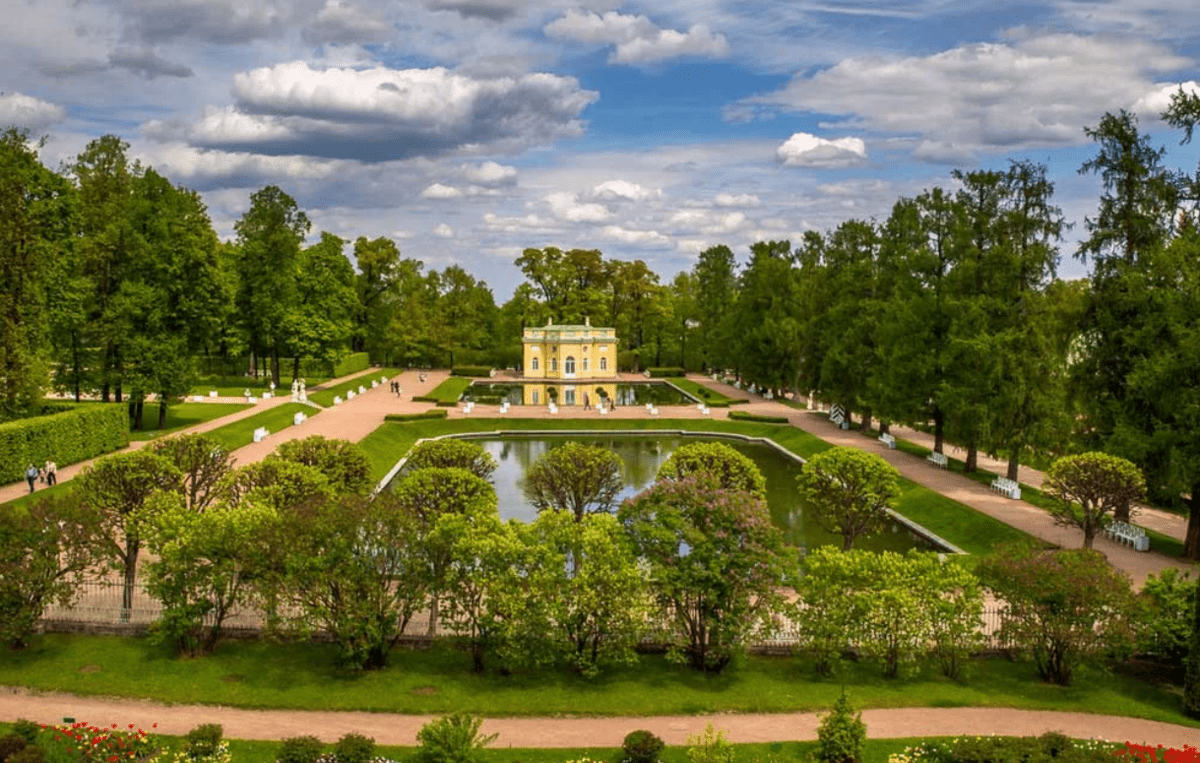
(663, 373)
(709, 747)
(204, 740)
(354, 748)
(202, 462)
(841, 734)
(1063, 606)
(1098, 484)
(447, 393)
(849, 491)
(723, 590)
(436, 413)
(582, 479)
(65, 438)
(342, 463)
(29, 754)
(352, 363)
(451, 452)
(1191, 679)
(302, 749)
(11, 744)
(641, 746)
(1051, 746)
(729, 468)
(454, 738)
(1163, 622)
(476, 371)
(757, 417)
(27, 730)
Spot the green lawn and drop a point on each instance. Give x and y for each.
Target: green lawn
(970, 530)
(239, 433)
(256, 674)
(234, 386)
(448, 392)
(324, 397)
(702, 392)
(181, 416)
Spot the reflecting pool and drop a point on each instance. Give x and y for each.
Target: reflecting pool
(576, 394)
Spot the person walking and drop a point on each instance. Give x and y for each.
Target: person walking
(31, 475)
(51, 473)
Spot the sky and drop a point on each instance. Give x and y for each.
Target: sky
(469, 130)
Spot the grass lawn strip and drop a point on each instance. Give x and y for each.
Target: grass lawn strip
(971, 530)
(240, 433)
(701, 392)
(324, 397)
(305, 676)
(448, 392)
(182, 416)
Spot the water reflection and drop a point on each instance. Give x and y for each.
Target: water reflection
(568, 394)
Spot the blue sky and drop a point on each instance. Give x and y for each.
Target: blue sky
(468, 130)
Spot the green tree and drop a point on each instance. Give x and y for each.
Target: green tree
(454, 738)
(581, 479)
(1191, 676)
(320, 323)
(732, 470)
(1164, 616)
(1090, 486)
(343, 463)
(841, 734)
(46, 548)
(715, 561)
(202, 462)
(716, 294)
(849, 491)
(767, 327)
(379, 273)
(451, 452)
(1063, 606)
(117, 487)
(275, 482)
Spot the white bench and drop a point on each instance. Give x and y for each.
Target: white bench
(938, 459)
(197, 398)
(1132, 535)
(653, 410)
(337, 399)
(888, 440)
(374, 384)
(299, 418)
(361, 389)
(553, 409)
(1007, 487)
(212, 393)
(261, 433)
(251, 399)
(504, 407)
(468, 407)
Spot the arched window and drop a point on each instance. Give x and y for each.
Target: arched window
(533, 364)
(569, 365)
(603, 364)
(553, 364)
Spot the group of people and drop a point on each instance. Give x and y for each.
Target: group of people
(396, 388)
(47, 475)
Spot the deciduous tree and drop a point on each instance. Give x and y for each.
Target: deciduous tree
(849, 491)
(451, 452)
(343, 463)
(732, 470)
(582, 479)
(1089, 487)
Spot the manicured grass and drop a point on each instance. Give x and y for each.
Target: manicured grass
(324, 397)
(710, 396)
(971, 530)
(255, 674)
(235, 435)
(182, 416)
(234, 386)
(448, 392)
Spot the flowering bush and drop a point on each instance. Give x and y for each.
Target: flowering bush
(87, 743)
(1144, 753)
(1050, 746)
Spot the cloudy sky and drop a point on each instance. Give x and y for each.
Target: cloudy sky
(468, 130)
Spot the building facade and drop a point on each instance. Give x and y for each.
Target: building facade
(562, 353)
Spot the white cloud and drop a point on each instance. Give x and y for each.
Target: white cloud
(489, 174)
(439, 191)
(636, 237)
(637, 39)
(736, 200)
(708, 222)
(441, 230)
(807, 150)
(518, 225)
(380, 114)
(1155, 102)
(623, 190)
(567, 207)
(28, 112)
(343, 23)
(1032, 90)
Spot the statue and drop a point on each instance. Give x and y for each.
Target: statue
(295, 391)
(303, 394)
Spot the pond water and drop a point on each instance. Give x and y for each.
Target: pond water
(642, 456)
(570, 394)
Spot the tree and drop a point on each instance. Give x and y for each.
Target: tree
(716, 292)
(46, 547)
(582, 479)
(1191, 678)
(278, 483)
(580, 595)
(343, 463)
(765, 321)
(841, 734)
(1063, 606)
(451, 452)
(1099, 485)
(204, 566)
(732, 470)
(320, 323)
(715, 561)
(201, 460)
(117, 487)
(352, 567)
(849, 491)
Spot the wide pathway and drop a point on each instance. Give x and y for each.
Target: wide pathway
(392, 729)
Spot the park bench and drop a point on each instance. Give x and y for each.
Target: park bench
(361, 389)
(337, 399)
(350, 394)
(468, 407)
(1007, 487)
(938, 459)
(888, 440)
(504, 407)
(553, 408)
(1130, 535)
(653, 410)
(261, 433)
(299, 418)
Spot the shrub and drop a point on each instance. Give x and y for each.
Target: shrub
(11, 744)
(67, 438)
(709, 747)
(454, 738)
(204, 740)
(664, 372)
(30, 754)
(27, 729)
(1164, 616)
(642, 746)
(354, 748)
(758, 418)
(627, 360)
(305, 749)
(437, 413)
(357, 361)
(841, 734)
(471, 371)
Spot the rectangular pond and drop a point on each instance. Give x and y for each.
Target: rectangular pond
(641, 457)
(567, 394)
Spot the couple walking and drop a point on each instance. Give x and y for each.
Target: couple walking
(47, 474)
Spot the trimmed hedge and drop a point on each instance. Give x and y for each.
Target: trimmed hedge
(661, 373)
(757, 418)
(438, 413)
(67, 437)
(352, 363)
(471, 371)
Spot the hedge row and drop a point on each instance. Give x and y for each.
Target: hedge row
(757, 418)
(471, 371)
(352, 363)
(65, 438)
(437, 413)
(661, 373)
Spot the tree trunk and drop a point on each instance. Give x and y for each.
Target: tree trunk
(1191, 678)
(1089, 535)
(162, 412)
(433, 616)
(866, 419)
(1013, 464)
(1191, 542)
(131, 556)
(972, 462)
(275, 365)
(296, 367)
(75, 362)
(939, 431)
(884, 427)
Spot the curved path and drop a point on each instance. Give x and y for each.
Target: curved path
(392, 729)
